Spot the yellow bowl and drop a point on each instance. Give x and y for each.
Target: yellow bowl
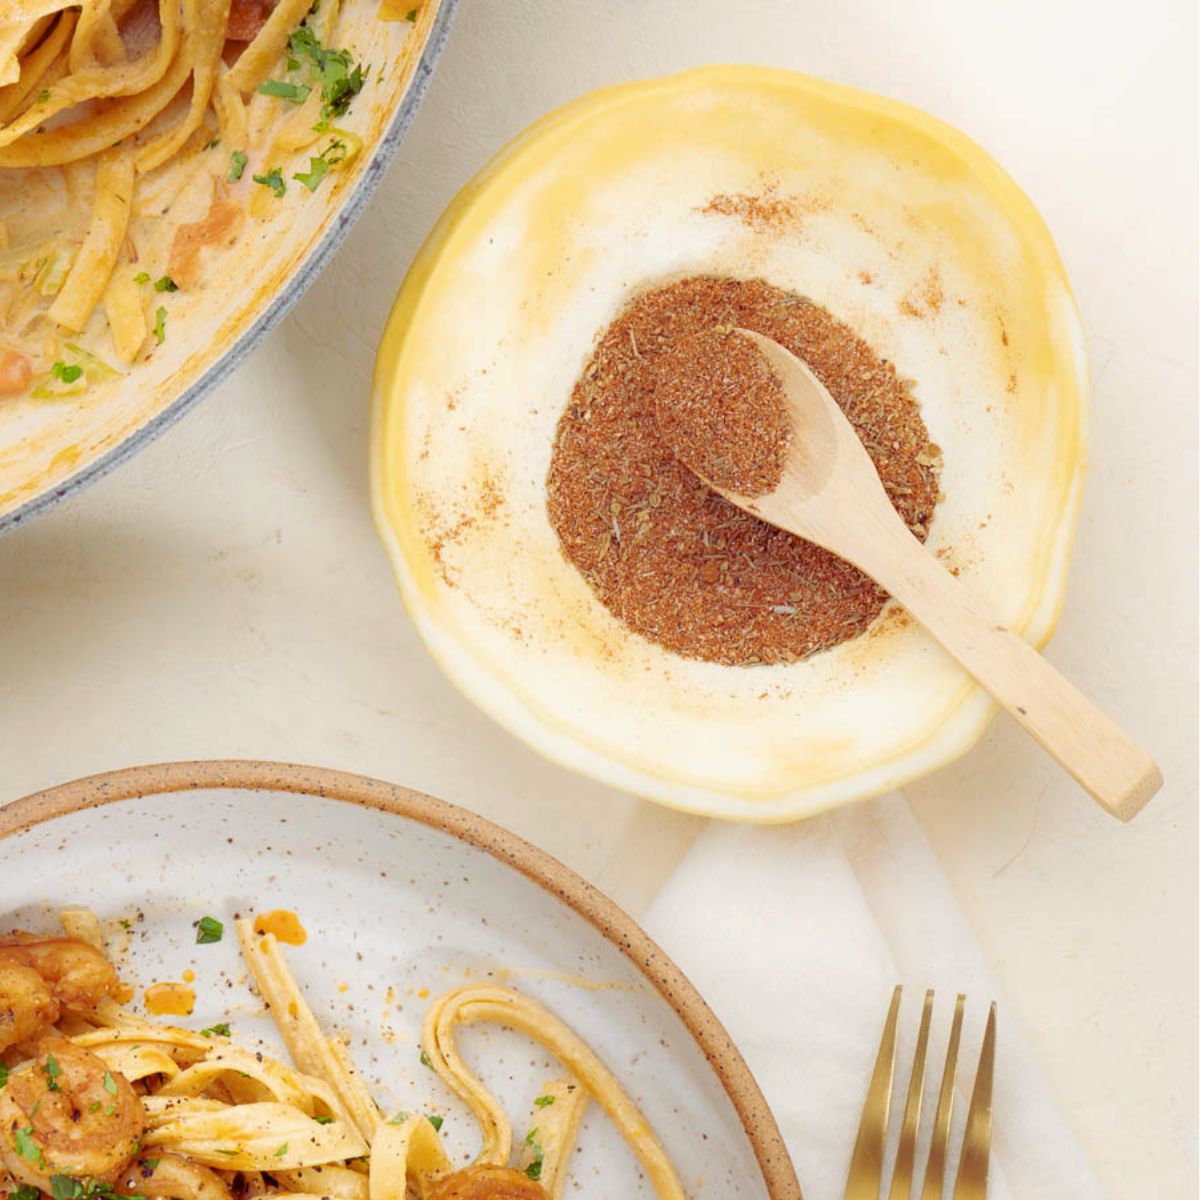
(900, 226)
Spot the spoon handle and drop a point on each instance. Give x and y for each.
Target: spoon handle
(1117, 772)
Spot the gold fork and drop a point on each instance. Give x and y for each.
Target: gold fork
(865, 1181)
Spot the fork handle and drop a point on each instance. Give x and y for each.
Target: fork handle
(1118, 773)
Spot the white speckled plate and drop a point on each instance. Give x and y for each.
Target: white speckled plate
(400, 894)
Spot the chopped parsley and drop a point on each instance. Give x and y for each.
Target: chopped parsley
(436, 1122)
(140, 277)
(152, 1163)
(229, 1153)
(160, 336)
(68, 374)
(281, 1151)
(43, 95)
(25, 1192)
(425, 1060)
(534, 1170)
(324, 1119)
(221, 1029)
(66, 1187)
(341, 78)
(27, 1148)
(111, 1111)
(237, 164)
(543, 1101)
(3, 1075)
(208, 929)
(297, 93)
(52, 1069)
(273, 179)
(110, 1084)
(399, 1119)
(94, 1107)
(333, 154)
(166, 284)
(213, 144)
(412, 16)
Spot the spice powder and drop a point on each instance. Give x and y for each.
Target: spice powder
(721, 410)
(666, 554)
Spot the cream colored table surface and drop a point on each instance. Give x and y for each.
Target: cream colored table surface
(224, 593)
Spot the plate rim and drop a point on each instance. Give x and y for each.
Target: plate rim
(537, 865)
(289, 293)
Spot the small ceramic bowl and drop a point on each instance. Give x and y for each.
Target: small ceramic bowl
(897, 224)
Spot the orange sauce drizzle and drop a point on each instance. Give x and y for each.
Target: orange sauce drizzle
(170, 999)
(284, 924)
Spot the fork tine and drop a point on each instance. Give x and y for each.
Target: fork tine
(971, 1183)
(935, 1166)
(866, 1163)
(902, 1172)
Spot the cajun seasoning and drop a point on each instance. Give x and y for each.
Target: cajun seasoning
(666, 554)
(720, 408)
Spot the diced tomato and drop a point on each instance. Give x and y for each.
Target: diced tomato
(16, 372)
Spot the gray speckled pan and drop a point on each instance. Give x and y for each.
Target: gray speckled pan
(402, 896)
(49, 452)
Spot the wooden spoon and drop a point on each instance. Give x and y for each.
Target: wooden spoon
(830, 494)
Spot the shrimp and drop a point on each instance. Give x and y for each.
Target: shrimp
(487, 1183)
(170, 1177)
(74, 975)
(27, 1004)
(66, 1113)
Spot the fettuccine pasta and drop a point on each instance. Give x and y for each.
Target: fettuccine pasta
(136, 138)
(99, 1103)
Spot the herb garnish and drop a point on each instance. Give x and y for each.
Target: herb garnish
(425, 1060)
(27, 1148)
(66, 1187)
(297, 93)
(436, 1122)
(273, 179)
(25, 1192)
(140, 277)
(333, 154)
(543, 1101)
(110, 1084)
(68, 374)
(324, 1119)
(534, 1170)
(340, 81)
(237, 164)
(160, 335)
(3, 1075)
(52, 1069)
(208, 929)
(221, 1029)
(166, 284)
(281, 1151)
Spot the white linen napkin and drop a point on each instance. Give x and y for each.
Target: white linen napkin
(796, 935)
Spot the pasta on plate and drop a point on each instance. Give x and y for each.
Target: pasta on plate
(98, 1103)
(138, 139)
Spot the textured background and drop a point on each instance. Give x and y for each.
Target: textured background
(224, 594)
